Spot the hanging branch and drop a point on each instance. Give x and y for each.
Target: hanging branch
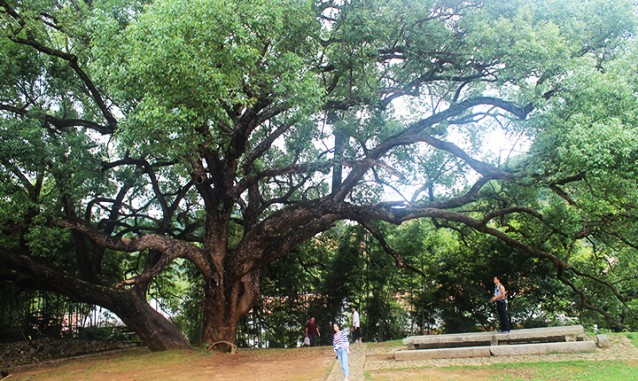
(398, 259)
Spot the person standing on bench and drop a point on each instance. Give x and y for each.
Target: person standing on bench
(501, 305)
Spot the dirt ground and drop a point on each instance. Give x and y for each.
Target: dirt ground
(303, 364)
(315, 364)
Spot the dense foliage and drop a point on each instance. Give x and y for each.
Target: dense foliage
(199, 145)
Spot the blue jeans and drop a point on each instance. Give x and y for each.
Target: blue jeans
(342, 354)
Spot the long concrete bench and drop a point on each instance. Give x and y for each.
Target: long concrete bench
(485, 344)
(442, 353)
(530, 335)
(496, 350)
(543, 348)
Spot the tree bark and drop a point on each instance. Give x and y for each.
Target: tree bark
(224, 305)
(155, 330)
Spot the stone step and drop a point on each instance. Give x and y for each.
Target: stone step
(544, 348)
(441, 353)
(548, 334)
(496, 350)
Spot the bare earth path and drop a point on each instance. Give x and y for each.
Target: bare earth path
(302, 364)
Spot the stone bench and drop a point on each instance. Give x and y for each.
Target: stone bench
(543, 348)
(496, 350)
(568, 339)
(530, 335)
(441, 353)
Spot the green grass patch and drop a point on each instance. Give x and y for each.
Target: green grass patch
(570, 371)
(633, 336)
(540, 371)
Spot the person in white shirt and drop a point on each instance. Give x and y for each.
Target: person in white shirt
(356, 326)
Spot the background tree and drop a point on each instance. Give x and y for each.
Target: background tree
(227, 134)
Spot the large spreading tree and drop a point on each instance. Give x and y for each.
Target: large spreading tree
(137, 134)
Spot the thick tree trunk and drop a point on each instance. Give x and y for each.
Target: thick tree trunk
(220, 326)
(155, 331)
(224, 306)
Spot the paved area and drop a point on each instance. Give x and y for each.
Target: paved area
(357, 361)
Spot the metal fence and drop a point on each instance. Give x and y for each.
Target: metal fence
(27, 314)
